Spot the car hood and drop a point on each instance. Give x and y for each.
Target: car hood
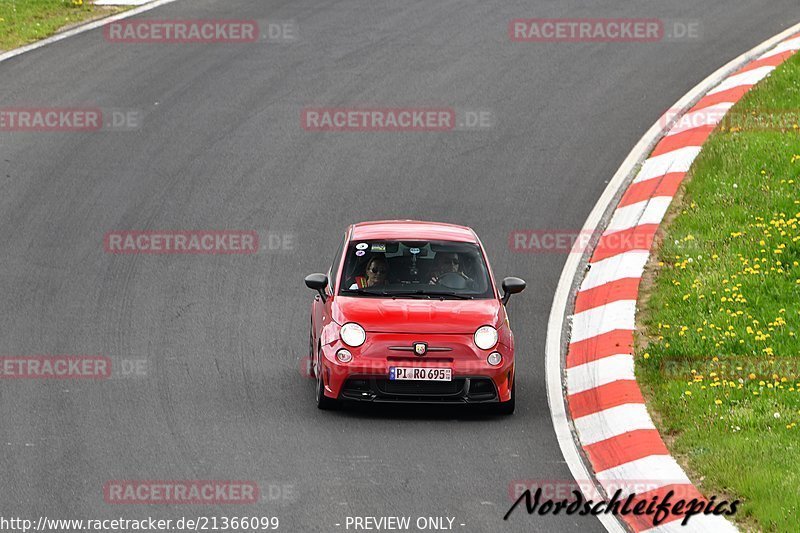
(383, 315)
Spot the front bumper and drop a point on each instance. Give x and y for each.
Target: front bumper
(473, 389)
(366, 377)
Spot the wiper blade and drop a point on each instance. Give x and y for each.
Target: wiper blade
(420, 293)
(369, 292)
(414, 294)
(449, 293)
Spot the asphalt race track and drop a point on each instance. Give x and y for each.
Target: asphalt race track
(222, 394)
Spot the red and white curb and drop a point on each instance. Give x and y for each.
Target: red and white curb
(607, 416)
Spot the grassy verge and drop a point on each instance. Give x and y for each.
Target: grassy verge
(719, 354)
(26, 21)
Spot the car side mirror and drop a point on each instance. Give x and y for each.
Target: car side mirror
(512, 286)
(318, 282)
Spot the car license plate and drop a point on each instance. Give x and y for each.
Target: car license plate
(420, 374)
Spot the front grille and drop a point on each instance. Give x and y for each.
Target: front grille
(381, 389)
(389, 386)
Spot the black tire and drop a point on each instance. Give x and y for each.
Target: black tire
(310, 372)
(507, 408)
(323, 402)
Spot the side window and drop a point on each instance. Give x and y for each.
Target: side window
(335, 265)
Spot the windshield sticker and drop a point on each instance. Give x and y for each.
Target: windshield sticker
(359, 253)
(379, 247)
(362, 246)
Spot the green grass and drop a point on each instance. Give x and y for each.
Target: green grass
(719, 356)
(26, 21)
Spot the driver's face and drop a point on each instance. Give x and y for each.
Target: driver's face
(449, 263)
(376, 273)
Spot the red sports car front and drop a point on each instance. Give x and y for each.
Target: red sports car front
(409, 313)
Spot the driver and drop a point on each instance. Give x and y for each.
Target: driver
(446, 263)
(376, 272)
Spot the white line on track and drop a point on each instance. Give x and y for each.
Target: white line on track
(83, 28)
(792, 44)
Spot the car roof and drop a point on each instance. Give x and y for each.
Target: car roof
(411, 230)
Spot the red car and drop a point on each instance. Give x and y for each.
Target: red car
(409, 313)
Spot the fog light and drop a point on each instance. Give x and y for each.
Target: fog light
(344, 356)
(494, 359)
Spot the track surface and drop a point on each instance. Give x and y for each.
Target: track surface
(222, 147)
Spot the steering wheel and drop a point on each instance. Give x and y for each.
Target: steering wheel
(452, 280)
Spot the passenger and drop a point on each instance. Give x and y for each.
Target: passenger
(376, 273)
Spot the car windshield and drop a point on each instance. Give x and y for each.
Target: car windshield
(415, 269)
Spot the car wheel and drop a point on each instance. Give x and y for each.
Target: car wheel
(323, 402)
(507, 408)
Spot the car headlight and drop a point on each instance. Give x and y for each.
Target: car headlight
(494, 359)
(352, 334)
(485, 337)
